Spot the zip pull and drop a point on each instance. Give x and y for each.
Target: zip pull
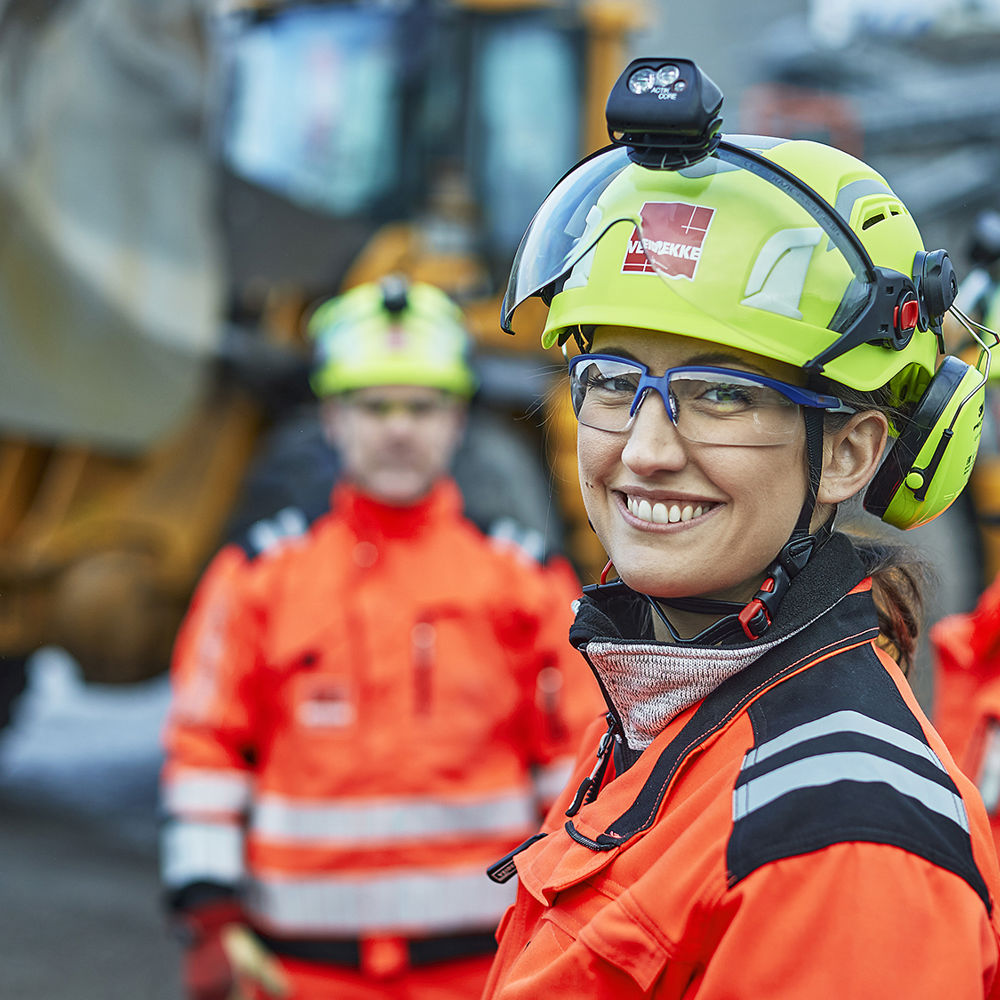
(590, 785)
(504, 870)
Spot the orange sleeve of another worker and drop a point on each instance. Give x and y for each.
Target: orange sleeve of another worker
(966, 657)
(209, 723)
(859, 920)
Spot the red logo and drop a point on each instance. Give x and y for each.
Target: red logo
(396, 338)
(672, 235)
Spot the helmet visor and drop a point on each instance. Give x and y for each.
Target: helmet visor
(563, 229)
(737, 244)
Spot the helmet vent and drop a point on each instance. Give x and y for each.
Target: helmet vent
(873, 220)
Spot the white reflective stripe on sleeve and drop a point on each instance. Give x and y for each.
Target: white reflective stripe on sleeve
(988, 775)
(279, 818)
(844, 722)
(825, 769)
(551, 779)
(429, 901)
(196, 790)
(201, 852)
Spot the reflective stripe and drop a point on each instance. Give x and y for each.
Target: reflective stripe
(201, 852)
(824, 769)
(551, 779)
(988, 777)
(281, 818)
(844, 722)
(429, 901)
(191, 790)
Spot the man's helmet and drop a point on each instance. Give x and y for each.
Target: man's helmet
(792, 250)
(391, 332)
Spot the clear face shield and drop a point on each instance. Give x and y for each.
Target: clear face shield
(812, 271)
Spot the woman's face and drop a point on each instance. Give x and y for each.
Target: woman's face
(737, 504)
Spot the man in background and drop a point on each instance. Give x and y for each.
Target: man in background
(369, 710)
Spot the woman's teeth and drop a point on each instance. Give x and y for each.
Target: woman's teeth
(662, 513)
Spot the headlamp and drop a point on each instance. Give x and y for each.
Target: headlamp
(666, 111)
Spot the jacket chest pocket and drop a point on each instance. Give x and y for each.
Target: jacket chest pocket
(318, 690)
(583, 942)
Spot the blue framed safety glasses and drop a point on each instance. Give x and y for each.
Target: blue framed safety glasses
(706, 404)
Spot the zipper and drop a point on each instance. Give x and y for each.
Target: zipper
(423, 638)
(591, 785)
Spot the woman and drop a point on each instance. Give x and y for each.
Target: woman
(769, 814)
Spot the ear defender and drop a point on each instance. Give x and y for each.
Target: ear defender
(928, 465)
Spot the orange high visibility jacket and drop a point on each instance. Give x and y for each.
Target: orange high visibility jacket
(364, 717)
(799, 832)
(966, 650)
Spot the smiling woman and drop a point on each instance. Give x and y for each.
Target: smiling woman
(770, 813)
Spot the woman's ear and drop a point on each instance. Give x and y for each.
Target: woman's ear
(851, 456)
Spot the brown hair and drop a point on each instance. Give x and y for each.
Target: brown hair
(899, 576)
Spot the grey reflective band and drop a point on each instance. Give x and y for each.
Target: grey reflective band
(205, 791)
(201, 852)
(849, 194)
(825, 769)
(279, 818)
(404, 901)
(290, 522)
(843, 722)
(988, 778)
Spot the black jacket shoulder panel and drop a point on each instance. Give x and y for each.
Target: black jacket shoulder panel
(860, 769)
(851, 621)
(265, 534)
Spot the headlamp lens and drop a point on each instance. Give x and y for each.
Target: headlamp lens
(642, 81)
(666, 75)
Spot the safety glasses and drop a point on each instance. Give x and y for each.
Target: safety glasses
(707, 405)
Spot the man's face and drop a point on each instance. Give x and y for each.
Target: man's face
(394, 441)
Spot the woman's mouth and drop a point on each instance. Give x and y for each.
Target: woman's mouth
(665, 512)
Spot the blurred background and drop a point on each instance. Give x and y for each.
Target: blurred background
(181, 181)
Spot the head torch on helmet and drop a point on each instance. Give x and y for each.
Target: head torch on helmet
(391, 332)
(789, 249)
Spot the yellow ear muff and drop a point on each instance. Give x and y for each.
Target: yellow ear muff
(930, 462)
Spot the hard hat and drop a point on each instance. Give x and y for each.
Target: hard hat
(391, 332)
(789, 249)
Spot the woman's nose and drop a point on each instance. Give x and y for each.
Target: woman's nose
(653, 442)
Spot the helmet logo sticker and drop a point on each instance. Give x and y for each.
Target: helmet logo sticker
(395, 338)
(671, 240)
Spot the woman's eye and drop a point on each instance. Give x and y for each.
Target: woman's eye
(729, 395)
(611, 383)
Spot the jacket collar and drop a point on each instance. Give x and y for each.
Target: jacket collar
(373, 519)
(647, 683)
(614, 612)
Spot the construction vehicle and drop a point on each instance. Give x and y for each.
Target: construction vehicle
(152, 335)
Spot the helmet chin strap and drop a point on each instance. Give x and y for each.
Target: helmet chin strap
(751, 620)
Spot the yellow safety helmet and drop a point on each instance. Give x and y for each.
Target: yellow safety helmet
(391, 332)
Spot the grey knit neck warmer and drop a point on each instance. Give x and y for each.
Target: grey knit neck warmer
(650, 683)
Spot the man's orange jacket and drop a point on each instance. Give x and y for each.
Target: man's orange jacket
(365, 716)
(798, 833)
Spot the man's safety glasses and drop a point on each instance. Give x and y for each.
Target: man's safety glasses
(705, 404)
